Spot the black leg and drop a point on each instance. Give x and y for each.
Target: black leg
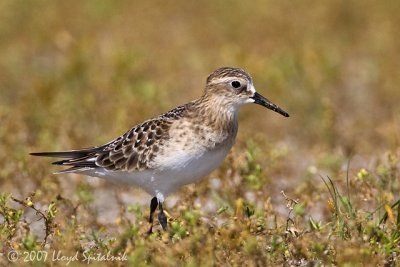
(161, 217)
(153, 207)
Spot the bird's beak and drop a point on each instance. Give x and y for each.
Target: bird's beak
(259, 99)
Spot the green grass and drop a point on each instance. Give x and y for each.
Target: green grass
(319, 188)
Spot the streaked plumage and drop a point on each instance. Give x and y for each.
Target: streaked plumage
(179, 147)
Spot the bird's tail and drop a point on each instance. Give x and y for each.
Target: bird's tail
(78, 160)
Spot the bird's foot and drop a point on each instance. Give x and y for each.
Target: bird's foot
(162, 215)
(153, 207)
(162, 218)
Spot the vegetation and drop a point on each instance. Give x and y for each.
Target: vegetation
(319, 188)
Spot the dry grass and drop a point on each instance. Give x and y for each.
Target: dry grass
(319, 188)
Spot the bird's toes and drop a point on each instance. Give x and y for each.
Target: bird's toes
(163, 220)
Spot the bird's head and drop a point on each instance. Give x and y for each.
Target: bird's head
(234, 87)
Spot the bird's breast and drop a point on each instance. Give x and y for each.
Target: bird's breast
(194, 144)
(190, 165)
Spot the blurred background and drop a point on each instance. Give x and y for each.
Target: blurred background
(75, 74)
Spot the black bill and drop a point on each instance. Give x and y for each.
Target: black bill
(259, 99)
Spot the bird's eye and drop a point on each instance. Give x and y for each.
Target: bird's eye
(235, 84)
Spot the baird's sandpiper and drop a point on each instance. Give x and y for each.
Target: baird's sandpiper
(174, 149)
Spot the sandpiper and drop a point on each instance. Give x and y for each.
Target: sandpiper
(176, 148)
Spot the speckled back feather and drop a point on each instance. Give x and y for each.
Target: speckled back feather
(131, 151)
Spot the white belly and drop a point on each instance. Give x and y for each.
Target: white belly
(175, 171)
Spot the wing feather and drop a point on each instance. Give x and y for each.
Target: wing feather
(131, 151)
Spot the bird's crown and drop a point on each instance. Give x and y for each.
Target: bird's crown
(227, 72)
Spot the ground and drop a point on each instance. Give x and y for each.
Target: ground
(318, 188)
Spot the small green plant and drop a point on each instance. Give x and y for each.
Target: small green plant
(48, 216)
(84, 194)
(11, 218)
(342, 209)
(191, 217)
(178, 231)
(135, 209)
(252, 171)
(315, 226)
